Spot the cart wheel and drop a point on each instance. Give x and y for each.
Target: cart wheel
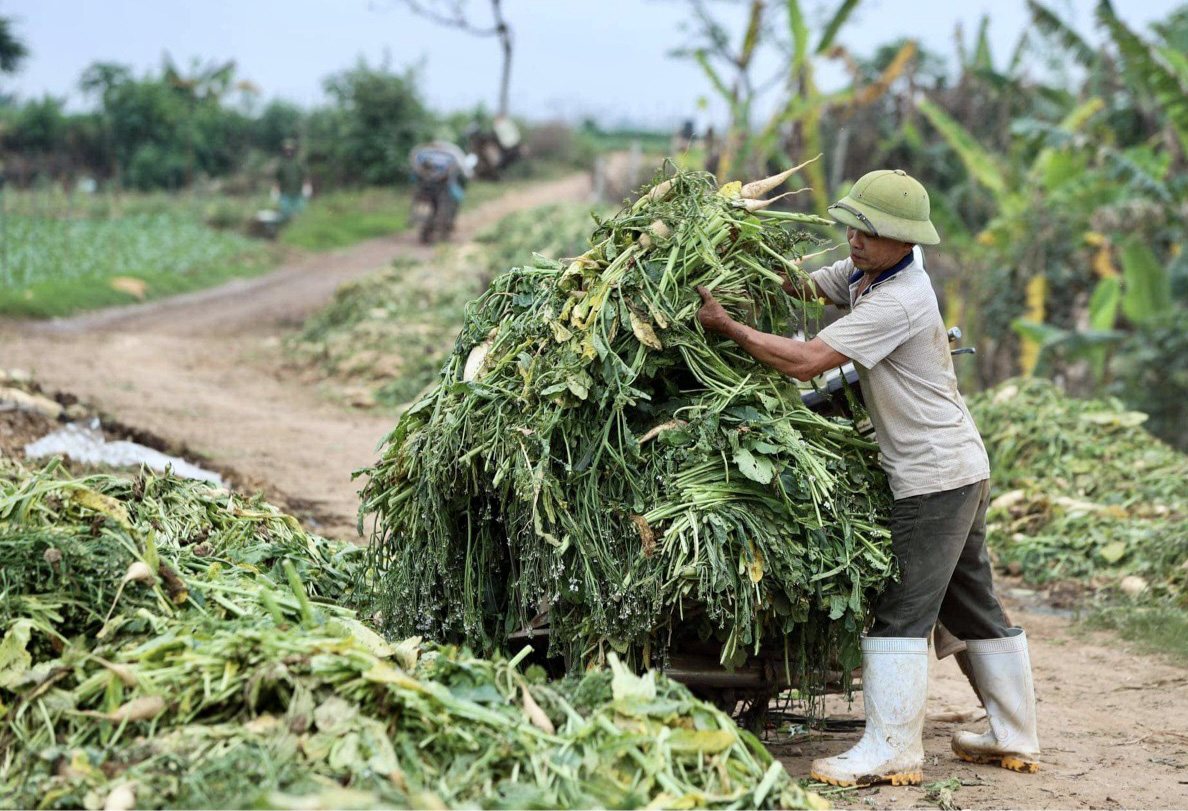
(753, 715)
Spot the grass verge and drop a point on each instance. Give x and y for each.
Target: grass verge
(342, 218)
(1158, 629)
(56, 298)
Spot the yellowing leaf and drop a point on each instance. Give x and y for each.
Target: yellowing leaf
(560, 333)
(1113, 552)
(731, 189)
(142, 708)
(644, 332)
(386, 674)
(1122, 419)
(755, 565)
(1103, 260)
(706, 741)
(103, 504)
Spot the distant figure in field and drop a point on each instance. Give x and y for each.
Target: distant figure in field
(441, 171)
(713, 153)
(292, 187)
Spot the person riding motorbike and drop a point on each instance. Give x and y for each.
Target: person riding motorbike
(441, 171)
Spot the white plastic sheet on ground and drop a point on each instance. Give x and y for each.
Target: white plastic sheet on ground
(86, 444)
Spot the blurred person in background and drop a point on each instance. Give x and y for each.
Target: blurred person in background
(441, 171)
(292, 187)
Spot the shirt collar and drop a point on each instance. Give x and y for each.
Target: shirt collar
(886, 274)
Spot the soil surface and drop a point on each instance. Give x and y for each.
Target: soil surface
(1113, 727)
(207, 372)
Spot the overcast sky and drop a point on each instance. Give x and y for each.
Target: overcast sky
(603, 58)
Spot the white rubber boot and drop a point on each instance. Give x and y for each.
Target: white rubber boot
(1002, 668)
(894, 689)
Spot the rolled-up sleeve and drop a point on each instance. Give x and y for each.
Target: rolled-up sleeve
(834, 281)
(871, 332)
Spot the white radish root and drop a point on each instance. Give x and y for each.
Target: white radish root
(758, 188)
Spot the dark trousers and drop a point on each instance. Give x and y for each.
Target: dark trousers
(939, 541)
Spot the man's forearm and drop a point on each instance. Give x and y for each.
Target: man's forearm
(785, 355)
(789, 356)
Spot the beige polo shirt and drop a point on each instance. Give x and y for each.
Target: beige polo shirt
(897, 339)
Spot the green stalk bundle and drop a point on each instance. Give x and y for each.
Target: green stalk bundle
(167, 644)
(590, 449)
(1083, 491)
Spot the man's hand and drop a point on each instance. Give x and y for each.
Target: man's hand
(789, 356)
(712, 315)
(789, 286)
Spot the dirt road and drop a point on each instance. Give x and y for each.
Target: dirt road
(205, 370)
(1113, 727)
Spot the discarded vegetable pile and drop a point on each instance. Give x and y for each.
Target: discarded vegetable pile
(386, 336)
(167, 644)
(1084, 490)
(589, 447)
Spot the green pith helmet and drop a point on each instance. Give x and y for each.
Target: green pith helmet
(888, 203)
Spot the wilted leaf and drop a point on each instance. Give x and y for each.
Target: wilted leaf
(647, 537)
(707, 741)
(15, 660)
(103, 504)
(335, 714)
(625, 684)
(1113, 551)
(644, 332)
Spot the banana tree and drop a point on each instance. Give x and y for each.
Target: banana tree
(1022, 194)
(800, 120)
(794, 131)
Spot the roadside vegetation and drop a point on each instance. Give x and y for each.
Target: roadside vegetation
(1086, 496)
(63, 255)
(383, 339)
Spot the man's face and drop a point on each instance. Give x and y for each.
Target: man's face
(875, 253)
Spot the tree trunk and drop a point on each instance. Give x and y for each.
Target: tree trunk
(505, 41)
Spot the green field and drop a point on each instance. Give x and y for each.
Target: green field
(66, 253)
(53, 266)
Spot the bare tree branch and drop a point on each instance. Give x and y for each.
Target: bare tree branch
(452, 15)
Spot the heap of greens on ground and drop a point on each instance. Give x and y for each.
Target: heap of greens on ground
(588, 447)
(167, 644)
(389, 333)
(1084, 492)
